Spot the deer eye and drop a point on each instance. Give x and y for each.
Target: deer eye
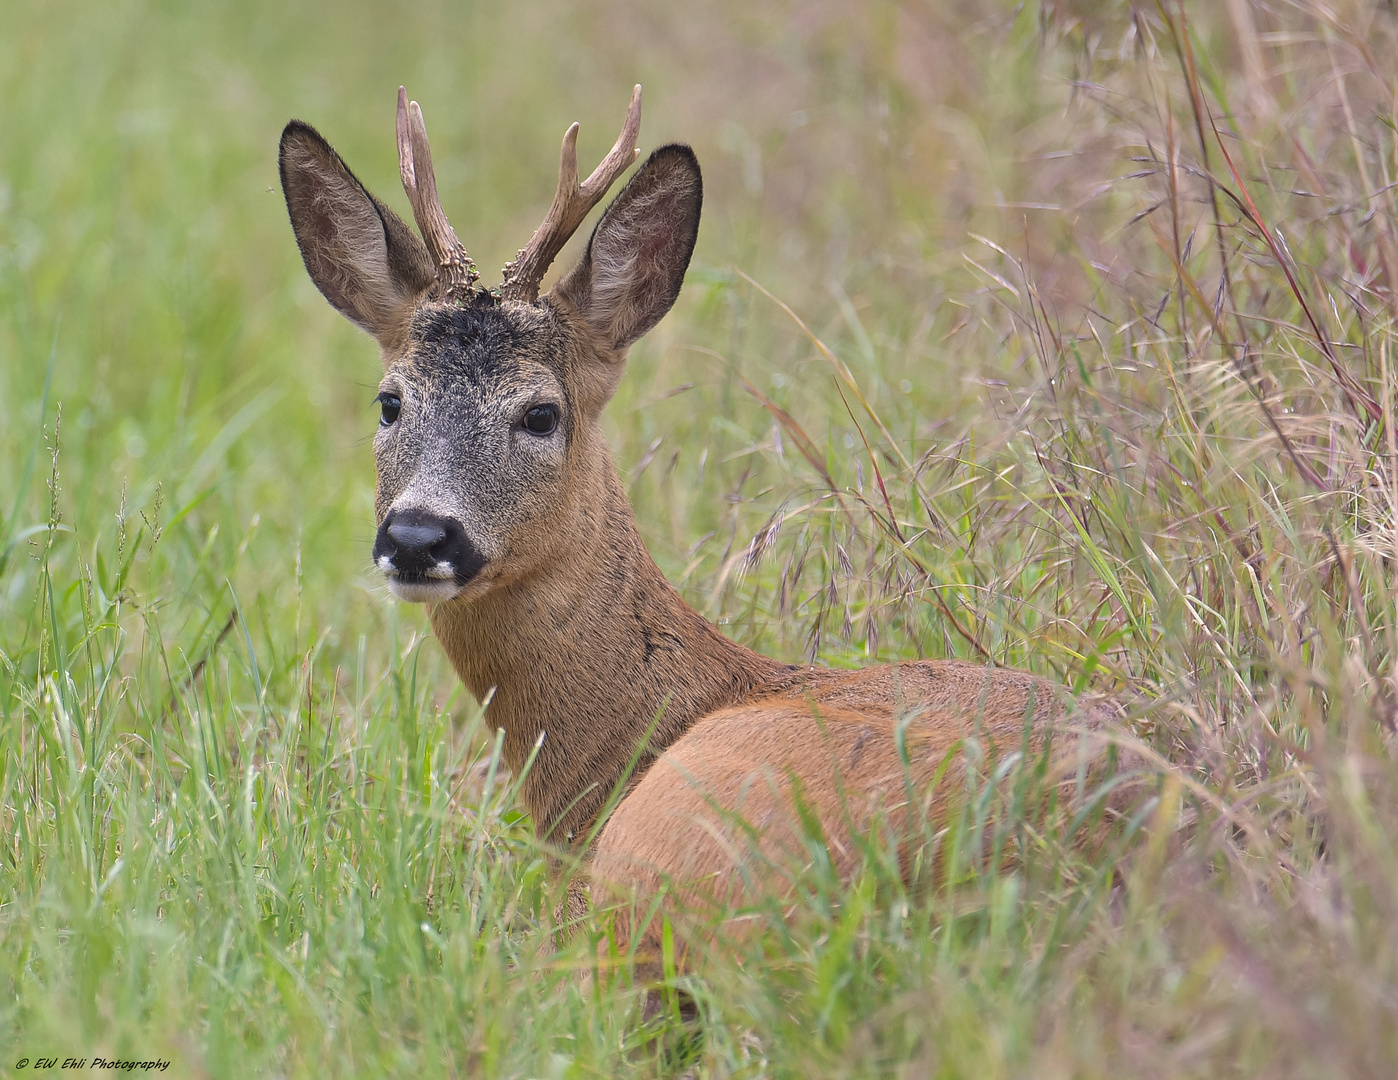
(541, 420)
(389, 405)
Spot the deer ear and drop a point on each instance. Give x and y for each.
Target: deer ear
(366, 262)
(638, 253)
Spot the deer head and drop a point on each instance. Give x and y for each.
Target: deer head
(488, 446)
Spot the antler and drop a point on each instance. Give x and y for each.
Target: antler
(571, 203)
(456, 273)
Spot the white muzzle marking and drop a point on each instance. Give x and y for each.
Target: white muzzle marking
(440, 586)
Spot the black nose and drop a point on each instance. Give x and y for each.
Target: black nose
(425, 538)
(422, 546)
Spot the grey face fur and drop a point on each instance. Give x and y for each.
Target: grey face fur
(490, 433)
(460, 448)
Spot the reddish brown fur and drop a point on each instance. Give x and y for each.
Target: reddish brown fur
(719, 810)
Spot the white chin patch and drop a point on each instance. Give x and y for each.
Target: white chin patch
(442, 587)
(423, 592)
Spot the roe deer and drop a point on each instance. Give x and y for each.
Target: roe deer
(499, 508)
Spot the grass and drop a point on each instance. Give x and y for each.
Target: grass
(1060, 336)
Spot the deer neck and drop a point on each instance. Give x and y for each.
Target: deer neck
(595, 659)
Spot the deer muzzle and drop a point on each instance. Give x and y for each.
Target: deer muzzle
(425, 556)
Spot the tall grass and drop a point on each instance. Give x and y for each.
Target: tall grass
(1058, 336)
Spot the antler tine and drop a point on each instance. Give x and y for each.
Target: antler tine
(571, 203)
(456, 273)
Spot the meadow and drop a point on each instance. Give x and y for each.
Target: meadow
(1057, 335)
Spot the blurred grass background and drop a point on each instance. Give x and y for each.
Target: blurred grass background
(1054, 402)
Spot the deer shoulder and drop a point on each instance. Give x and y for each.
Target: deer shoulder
(499, 508)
